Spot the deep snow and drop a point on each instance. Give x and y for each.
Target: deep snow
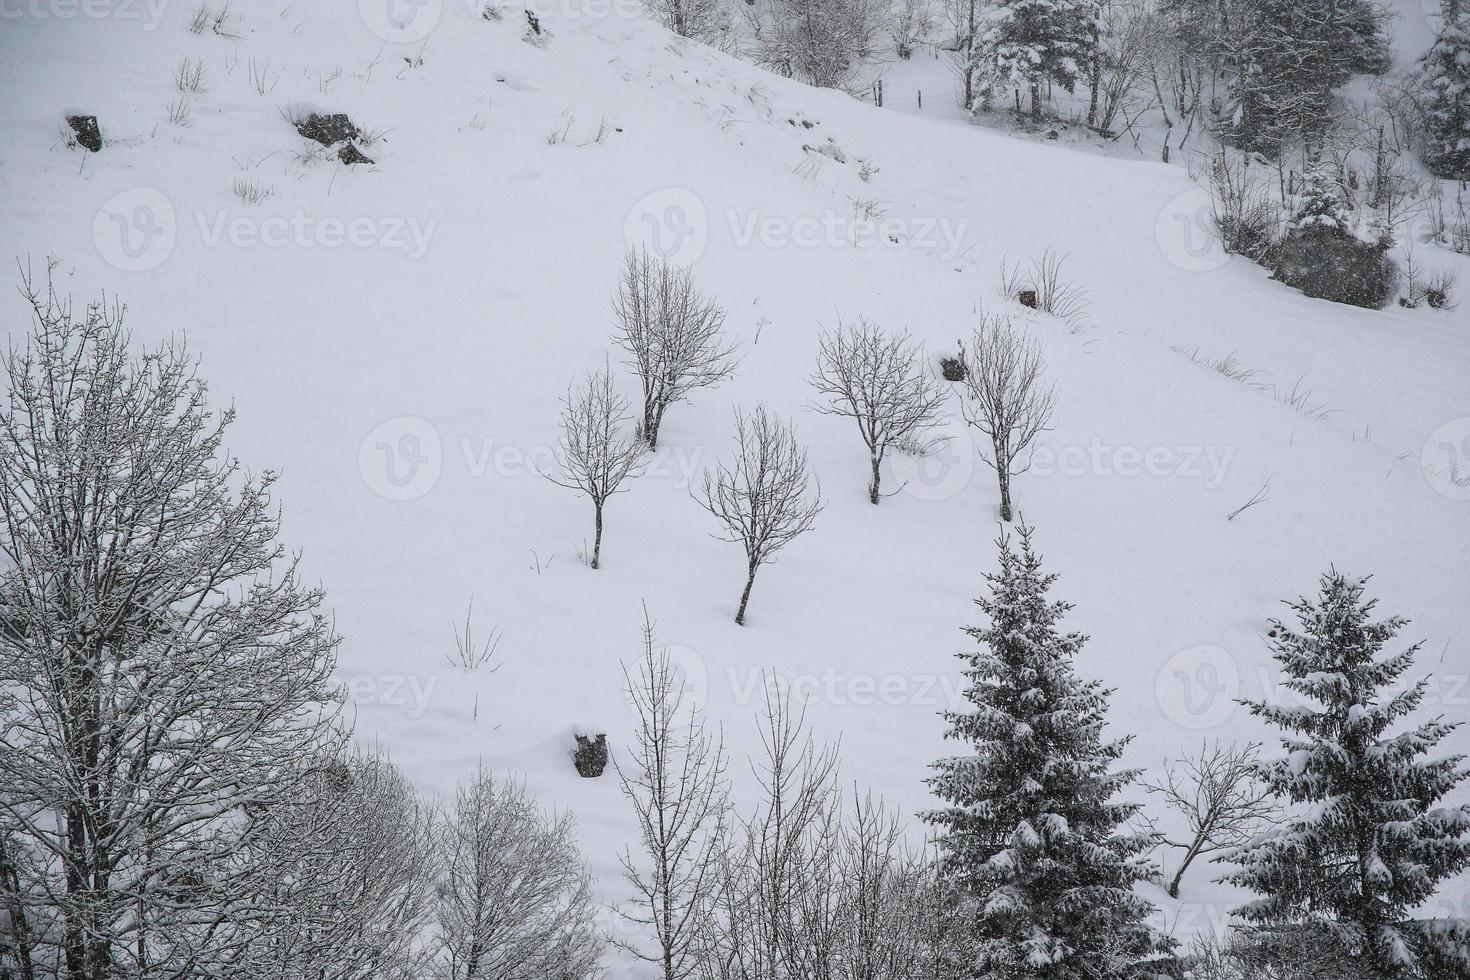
(396, 339)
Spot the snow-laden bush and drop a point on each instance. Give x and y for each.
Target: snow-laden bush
(1321, 256)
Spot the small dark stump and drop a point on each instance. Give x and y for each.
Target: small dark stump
(329, 128)
(1028, 298)
(350, 154)
(953, 369)
(88, 133)
(591, 757)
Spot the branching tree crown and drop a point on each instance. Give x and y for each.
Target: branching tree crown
(162, 670)
(671, 332)
(1007, 398)
(766, 497)
(882, 383)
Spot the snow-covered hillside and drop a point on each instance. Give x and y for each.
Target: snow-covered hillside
(397, 338)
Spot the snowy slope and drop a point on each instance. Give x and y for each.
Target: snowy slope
(406, 377)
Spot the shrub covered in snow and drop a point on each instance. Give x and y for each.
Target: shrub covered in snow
(1322, 257)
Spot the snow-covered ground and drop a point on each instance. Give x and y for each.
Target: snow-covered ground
(397, 338)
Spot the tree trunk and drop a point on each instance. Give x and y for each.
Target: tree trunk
(873, 483)
(1189, 856)
(16, 909)
(597, 539)
(745, 596)
(653, 416)
(1003, 472)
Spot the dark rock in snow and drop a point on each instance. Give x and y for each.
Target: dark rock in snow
(591, 757)
(350, 154)
(328, 129)
(1028, 298)
(88, 134)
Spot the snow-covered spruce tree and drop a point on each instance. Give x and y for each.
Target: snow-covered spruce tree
(1444, 96)
(1288, 62)
(1029, 45)
(164, 674)
(1032, 835)
(1368, 842)
(1322, 257)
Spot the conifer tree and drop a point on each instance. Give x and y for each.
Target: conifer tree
(1031, 835)
(1030, 44)
(1290, 60)
(1368, 840)
(1319, 208)
(1444, 96)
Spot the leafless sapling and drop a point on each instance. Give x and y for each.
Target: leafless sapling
(1006, 397)
(595, 455)
(1218, 795)
(162, 668)
(515, 900)
(671, 332)
(881, 382)
(766, 498)
(675, 779)
(779, 868)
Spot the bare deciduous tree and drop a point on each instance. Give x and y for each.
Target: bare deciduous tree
(910, 24)
(779, 866)
(879, 381)
(820, 42)
(515, 900)
(671, 332)
(765, 498)
(1218, 795)
(163, 672)
(594, 455)
(343, 877)
(806, 891)
(1006, 398)
(702, 20)
(675, 781)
